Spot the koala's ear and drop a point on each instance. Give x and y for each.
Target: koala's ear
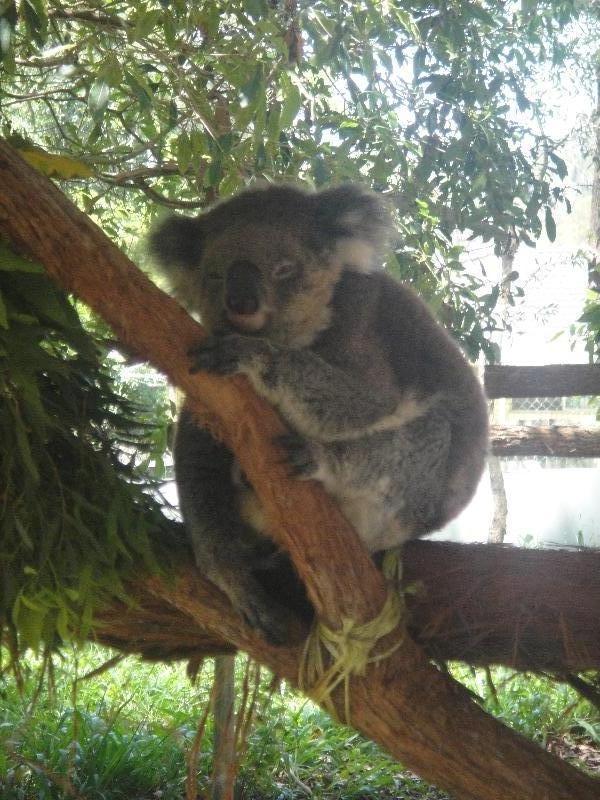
(177, 242)
(356, 222)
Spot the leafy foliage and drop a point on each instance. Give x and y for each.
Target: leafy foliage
(182, 102)
(74, 517)
(131, 728)
(590, 322)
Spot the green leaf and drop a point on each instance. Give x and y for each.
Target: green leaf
(25, 451)
(255, 85)
(98, 98)
(408, 23)
(198, 149)
(561, 167)
(183, 152)
(173, 115)
(7, 28)
(36, 19)
(522, 101)
(478, 12)
(256, 8)
(292, 103)
(62, 623)
(11, 262)
(479, 183)
(140, 88)
(55, 165)
(145, 23)
(25, 538)
(3, 314)
(550, 225)
(111, 71)
(29, 622)
(274, 122)
(214, 172)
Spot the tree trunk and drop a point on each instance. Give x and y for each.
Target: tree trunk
(224, 757)
(423, 718)
(555, 380)
(497, 531)
(557, 440)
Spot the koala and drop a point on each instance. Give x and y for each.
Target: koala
(382, 407)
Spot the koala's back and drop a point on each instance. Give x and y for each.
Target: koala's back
(383, 333)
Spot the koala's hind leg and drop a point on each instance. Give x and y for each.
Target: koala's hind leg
(227, 551)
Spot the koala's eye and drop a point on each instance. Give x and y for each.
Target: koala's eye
(284, 270)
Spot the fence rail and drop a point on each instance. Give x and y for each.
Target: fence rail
(554, 380)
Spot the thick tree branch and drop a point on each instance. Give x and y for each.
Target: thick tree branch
(91, 17)
(427, 721)
(554, 380)
(484, 604)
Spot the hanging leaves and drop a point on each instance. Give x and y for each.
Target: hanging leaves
(74, 514)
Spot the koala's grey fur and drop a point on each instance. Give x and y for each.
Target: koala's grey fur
(383, 408)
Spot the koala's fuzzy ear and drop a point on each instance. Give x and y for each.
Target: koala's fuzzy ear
(356, 222)
(177, 243)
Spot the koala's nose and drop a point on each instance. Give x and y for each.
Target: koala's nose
(242, 288)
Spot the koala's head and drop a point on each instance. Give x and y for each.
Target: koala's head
(267, 260)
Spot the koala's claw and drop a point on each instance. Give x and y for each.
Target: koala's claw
(254, 605)
(218, 354)
(299, 455)
(270, 620)
(230, 353)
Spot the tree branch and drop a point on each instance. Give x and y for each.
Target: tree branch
(422, 717)
(554, 380)
(483, 604)
(91, 17)
(566, 441)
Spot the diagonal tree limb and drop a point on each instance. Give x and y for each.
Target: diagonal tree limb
(423, 718)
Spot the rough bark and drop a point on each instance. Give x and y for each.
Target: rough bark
(422, 717)
(554, 380)
(385, 709)
(557, 440)
(483, 604)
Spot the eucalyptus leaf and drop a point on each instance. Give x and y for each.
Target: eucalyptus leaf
(98, 98)
(550, 225)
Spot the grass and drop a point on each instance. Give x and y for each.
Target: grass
(125, 734)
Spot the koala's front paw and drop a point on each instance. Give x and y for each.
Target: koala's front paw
(228, 354)
(300, 455)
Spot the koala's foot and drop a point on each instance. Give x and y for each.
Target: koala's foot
(300, 455)
(256, 608)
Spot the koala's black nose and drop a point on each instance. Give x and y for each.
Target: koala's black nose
(242, 288)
